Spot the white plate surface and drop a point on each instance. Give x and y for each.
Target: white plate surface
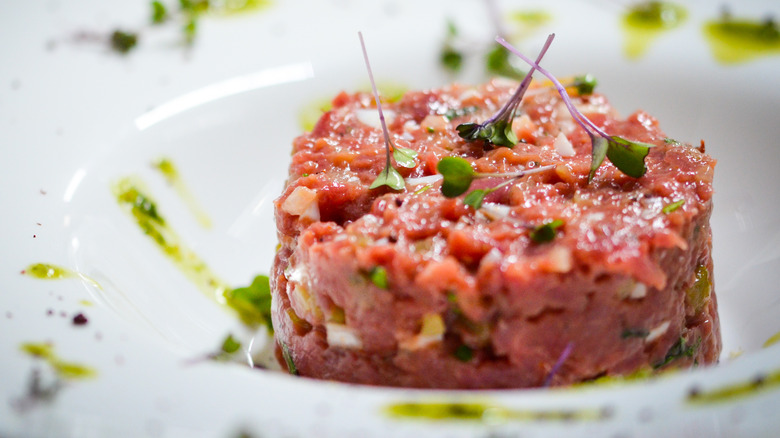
(75, 118)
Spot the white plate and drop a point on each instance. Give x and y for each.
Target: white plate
(75, 117)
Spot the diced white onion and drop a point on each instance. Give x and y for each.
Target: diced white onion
(370, 117)
(563, 146)
(657, 332)
(561, 260)
(430, 179)
(639, 291)
(302, 202)
(339, 335)
(494, 211)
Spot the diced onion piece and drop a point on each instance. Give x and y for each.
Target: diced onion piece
(494, 211)
(430, 179)
(559, 260)
(434, 123)
(639, 291)
(432, 331)
(657, 332)
(563, 146)
(302, 202)
(339, 335)
(370, 117)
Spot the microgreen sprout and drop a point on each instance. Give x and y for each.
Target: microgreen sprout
(628, 156)
(558, 364)
(497, 130)
(458, 176)
(403, 156)
(450, 57)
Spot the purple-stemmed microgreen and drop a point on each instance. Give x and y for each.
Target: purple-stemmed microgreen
(389, 176)
(558, 364)
(458, 175)
(628, 156)
(497, 130)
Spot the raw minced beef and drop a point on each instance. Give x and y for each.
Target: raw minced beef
(410, 288)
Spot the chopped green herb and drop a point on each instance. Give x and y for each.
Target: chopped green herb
(698, 295)
(288, 360)
(190, 28)
(451, 58)
(464, 353)
(230, 345)
(159, 12)
(497, 130)
(122, 41)
(546, 232)
(378, 276)
(458, 112)
(678, 351)
(585, 84)
(253, 303)
(634, 333)
(673, 206)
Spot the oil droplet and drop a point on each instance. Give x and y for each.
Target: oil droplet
(63, 369)
(172, 176)
(646, 21)
(734, 41)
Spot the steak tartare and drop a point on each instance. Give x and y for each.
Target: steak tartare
(553, 280)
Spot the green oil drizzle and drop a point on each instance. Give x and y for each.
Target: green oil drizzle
(63, 369)
(47, 271)
(487, 412)
(311, 113)
(235, 7)
(646, 21)
(172, 176)
(251, 303)
(734, 41)
(529, 21)
(727, 393)
(774, 339)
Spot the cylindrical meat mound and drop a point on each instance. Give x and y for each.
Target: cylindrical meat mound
(410, 288)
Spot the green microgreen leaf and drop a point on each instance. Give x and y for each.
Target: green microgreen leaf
(230, 345)
(458, 175)
(378, 276)
(628, 156)
(405, 157)
(159, 12)
(546, 232)
(585, 84)
(190, 29)
(253, 303)
(474, 198)
(499, 62)
(598, 153)
(497, 130)
(389, 177)
(122, 41)
(673, 206)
